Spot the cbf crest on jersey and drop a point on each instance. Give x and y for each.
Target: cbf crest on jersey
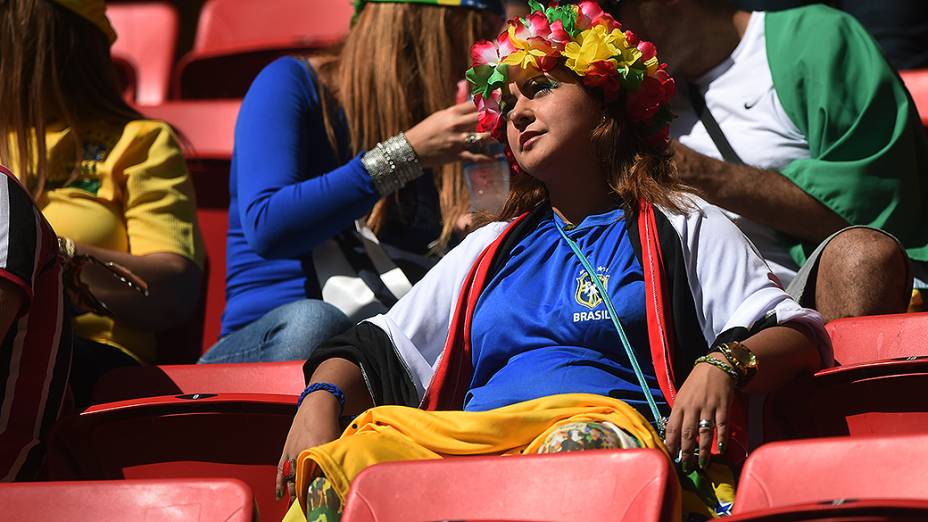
(587, 294)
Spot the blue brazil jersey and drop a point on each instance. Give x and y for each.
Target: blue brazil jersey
(540, 327)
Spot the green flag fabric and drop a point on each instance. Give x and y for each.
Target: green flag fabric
(869, 154)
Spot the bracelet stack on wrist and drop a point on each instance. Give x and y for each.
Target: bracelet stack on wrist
(739, 357)
(392, 164)
(725, 367)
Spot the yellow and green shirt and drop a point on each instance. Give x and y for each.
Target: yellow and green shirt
(130, 192)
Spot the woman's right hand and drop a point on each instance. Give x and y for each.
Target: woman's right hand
(315, 423)
(440, 138)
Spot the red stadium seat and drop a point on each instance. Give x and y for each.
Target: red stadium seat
(785, 474)
(188, 436)
(878, 389)
(237, 38)
(858, 340)
(206, 127)
(150, 500)
(207, 130)
(280, 378)
(917, 83)
(883, 510)
(147, 41)
(633, 485)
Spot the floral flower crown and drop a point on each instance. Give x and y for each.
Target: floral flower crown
(590, 43)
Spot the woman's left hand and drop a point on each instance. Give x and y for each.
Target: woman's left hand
(706, 394)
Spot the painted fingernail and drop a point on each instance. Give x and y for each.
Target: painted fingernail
(685, 461)
(703, 461)
(279, 493)
(721, 446)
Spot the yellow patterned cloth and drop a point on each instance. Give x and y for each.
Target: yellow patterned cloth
(127, 190)
(397, 433)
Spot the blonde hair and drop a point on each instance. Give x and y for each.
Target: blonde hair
(399, 64)
(54, 66)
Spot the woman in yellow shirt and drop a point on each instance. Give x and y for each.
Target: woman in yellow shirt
(112, 185)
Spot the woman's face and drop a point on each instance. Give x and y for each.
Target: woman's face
(550, 120)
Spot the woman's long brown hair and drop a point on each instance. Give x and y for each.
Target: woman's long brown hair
(54, 67)
(399, 64)
(636, 169)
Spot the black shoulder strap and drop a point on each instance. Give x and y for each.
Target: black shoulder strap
(712, 126)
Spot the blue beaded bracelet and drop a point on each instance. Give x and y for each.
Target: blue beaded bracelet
(331, 388)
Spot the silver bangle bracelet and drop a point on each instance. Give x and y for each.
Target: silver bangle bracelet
(392, 164)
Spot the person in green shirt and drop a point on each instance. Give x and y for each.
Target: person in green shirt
(819, 155)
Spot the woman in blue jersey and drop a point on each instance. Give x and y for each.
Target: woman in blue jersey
(319, 144)
(605, 308)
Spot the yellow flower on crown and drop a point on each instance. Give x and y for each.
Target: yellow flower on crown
(586, 40)
(598, 44)
(534, 53)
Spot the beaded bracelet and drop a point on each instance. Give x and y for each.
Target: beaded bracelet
(392, 164)
(733, 373)
(324, 386)
(726, 353)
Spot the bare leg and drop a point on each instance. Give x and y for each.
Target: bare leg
(862, 272)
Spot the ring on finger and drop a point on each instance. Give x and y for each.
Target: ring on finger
(706, 424)
(288, 470)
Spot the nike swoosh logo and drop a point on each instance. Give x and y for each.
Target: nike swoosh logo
(748, 105)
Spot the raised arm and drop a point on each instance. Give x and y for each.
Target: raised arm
(293, 190)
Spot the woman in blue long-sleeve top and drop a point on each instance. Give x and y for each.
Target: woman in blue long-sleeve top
(314, 152)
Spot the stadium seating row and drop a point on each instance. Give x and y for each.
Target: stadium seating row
(849, 478)
(235, 39)
(231, 420)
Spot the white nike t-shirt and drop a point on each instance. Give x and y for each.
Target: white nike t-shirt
(739, 92)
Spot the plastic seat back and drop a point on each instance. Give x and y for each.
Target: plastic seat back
(633, 485)
(238, 38)
(189, 436)
(878, 389)
(881, 398)
(206, 127)
(850, 510)
(917, 83)
(168, 500)
(279, 378)
(822, 470)
(859, 340)
(147, 41)
(232, 24)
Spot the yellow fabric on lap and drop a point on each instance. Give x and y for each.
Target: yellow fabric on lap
(395, 433)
